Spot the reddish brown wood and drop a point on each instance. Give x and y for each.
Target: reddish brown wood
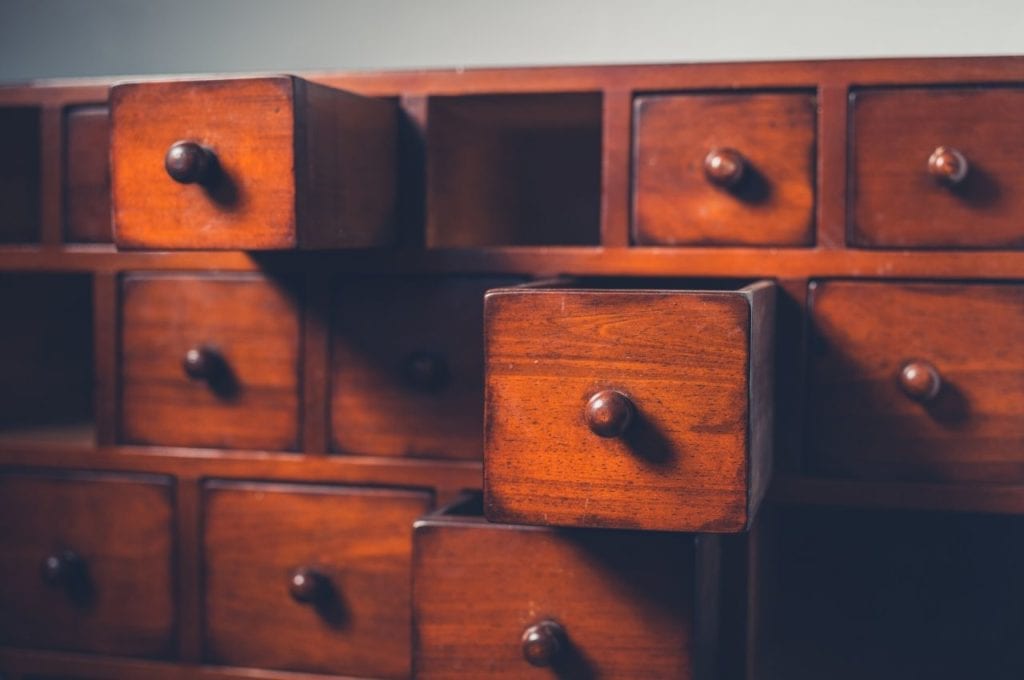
(724, 169)
(87, 175)
(106, 289)
(897, 201)
(609, 413)
(358, 541)
(625, 601)
(256, 164)
(865, 425)
(86, 563)
(696, 367)
(248, 397)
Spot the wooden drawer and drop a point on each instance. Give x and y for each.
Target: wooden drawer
(908, 193)
(253, 163)
(86, 563)
(309, 578)
(87, 175)
(724, 169)
(616, 408)
(506, 601)
(918, 381)
(209, 361)
(407, 366)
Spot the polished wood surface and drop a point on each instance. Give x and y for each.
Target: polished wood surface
(724, 169)
(86, 562)
(87, 175)
(354, 621)
(973, 202)
(683, 361)
(259, 163)
(917, 381)
(209, 361)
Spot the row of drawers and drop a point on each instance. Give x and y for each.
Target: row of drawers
(928, 167)
(324, 579)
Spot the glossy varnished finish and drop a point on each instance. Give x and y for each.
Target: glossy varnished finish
(487, 598)
(350, 615)
(210, 361)
(407, 365)
(87, 175)
(86, 563)
(681, 435)
(917, 381)
(724, 169)
(896, 198)
(255, 163)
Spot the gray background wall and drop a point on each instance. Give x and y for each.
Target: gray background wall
(55, 38)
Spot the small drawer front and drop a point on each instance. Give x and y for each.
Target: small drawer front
(502, 601)
(309, 578)
(87, 181)
(407, 366)
(724, 169)
(209, 361)
(251, 163)
(921, 382)
(937, 168)
(643, 409)
(86, 563)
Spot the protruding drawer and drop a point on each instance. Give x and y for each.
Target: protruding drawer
(505, 601)
(407, 373)
(86, 563)
(918, 381)
(265, 163)
(937, 167)
(724, 169)
(309, 578)
(628, 408)
(210, 361)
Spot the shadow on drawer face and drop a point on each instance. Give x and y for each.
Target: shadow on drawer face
(209, 361)
(917, 381)
(639, 408)
(505, 601)
(309, 578)
(86, 563)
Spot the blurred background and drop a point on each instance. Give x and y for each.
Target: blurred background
(58, 38)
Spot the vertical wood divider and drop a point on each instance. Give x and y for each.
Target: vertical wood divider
(832, 150)
(616, 134)
(105, 332)
(188, 562)
(316, 363)
(51, 183)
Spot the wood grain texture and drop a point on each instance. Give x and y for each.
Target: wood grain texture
(896, 202)
(380, 325)
(87, 215)
(683, 358)
(863, 425)
(624, 599)
(675, 203)
(360, 540)
(298, 165)
(251, 322)
(120, 526)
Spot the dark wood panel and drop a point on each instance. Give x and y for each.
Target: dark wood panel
(352, 615)
(86, 563)
(87, 216)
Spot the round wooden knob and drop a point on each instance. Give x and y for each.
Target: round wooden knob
(920, 380)
(724, 167)
(542, 642)
(425, 371)
(201, 362)
(609, 413)
(948, 165)
(306, 585)
(61, 568)
(190, 163)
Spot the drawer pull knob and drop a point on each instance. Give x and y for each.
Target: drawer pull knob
(920, 380)
(425, 371)
(190, 163)
(202, 362)
(64, 569)
(948, 165)
(307, 585)
(542, 643)
(724, 167)
(609, 413)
